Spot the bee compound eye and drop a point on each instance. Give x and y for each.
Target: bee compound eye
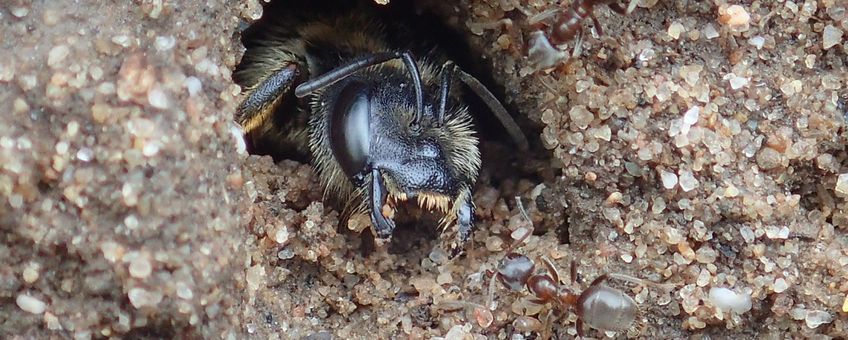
(349, 129)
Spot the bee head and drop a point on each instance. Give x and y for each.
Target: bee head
(376, 136)
(372, 131)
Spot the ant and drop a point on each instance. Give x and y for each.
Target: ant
(566, 25)
(599, 306)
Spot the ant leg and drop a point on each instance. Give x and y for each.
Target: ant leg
(632, 6)
(628, 278)
(616, 7)
(573, 271)
(520, 240)
(264, 97)
(546, 326)
(597, 24)
(636, 280)
(551, 268)
(580, 333)
(578, 44)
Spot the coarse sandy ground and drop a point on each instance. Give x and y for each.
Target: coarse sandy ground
(688, 145)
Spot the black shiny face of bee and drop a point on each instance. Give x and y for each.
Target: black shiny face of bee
(384, 123)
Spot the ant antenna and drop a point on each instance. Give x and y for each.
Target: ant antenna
(360, 63)
(530, 227)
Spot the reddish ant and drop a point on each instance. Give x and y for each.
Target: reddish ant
(566, 25)
(599, 306)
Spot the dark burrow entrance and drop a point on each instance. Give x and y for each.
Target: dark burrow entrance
(504, 168)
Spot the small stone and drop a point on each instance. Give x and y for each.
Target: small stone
(688, 182)
(112, 251)
(731, 191)
(736, 82)
(19, 11)
(817, 318)
(675, 29)
(580, 116)
(710, 31)
(757, 41)
(438, 256)
(444, 278)
(30, 273)
(140, 267)
(494, 243)
(183, 291)
(780, 285)
(831, 36)
(728, 300)
(56, 55)
(164, 43)
(669, 179)
(142, 298)
(706, 254)
(281, 236)
(842, 185)
(735, 17)
(255, 277)
(193, 85)
(52, 322)
(769, 158)
(30, 304)
(157, 98)
(519, 233)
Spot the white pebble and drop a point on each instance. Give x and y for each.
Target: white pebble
(710, 31)
(30, 304)
(193, 85)
(817, 318)
(831, 36)
(140, 267)
(675, 29)
(669, 179)
(85, 154)
(158, 98)
(728, 300)
(141, 298)
(842, 185)
(688, 182)
(757, 41)
(57, 54)
(691, 115)
(165, 43)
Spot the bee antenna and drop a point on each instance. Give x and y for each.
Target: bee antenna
(495, 106)
(447, 74)
(337, 74)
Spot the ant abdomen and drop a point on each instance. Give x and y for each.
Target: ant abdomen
(606, 308)
(514, 271)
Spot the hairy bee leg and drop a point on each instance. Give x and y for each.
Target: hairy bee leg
(382, 225)
(265, 97)
(465, 223)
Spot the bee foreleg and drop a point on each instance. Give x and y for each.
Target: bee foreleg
(464, 221)
(382, 226)
(262, 99)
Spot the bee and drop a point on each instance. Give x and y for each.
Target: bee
(382, 118)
